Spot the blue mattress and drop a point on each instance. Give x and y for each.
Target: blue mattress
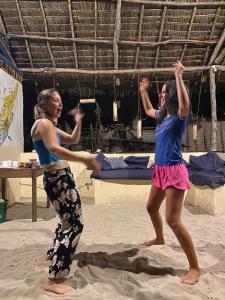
(207, 169)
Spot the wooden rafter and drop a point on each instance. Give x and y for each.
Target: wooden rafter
(95, 46)
(220, 57)
(172, 4)
(117, 35)
(73, 35)
(178, 4)
(189, 30)
(211, 35)
(74, 43)
(160, 34)
(139, 38)
(117, 72)
(2, 25)
(108, 42)
(46, 33)
(24, 33)
(217, 48)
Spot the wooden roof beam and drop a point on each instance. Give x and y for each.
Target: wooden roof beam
(217, 48)
(108, 42)
(160, 34)
(172, 4)
(24, 33)
(46, 33)
(117, 72)
(139, 37)
(189, 30)
(178, 4)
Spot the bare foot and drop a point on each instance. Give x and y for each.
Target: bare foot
(154, 242)
(57, 287)
(191, 277)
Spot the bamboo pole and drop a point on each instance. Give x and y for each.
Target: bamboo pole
(212, 71)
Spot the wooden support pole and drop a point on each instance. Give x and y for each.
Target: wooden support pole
(213, 108)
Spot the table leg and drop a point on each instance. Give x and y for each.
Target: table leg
(34, 198)
(4, 188)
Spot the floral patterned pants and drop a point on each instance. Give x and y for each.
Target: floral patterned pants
(61, 190)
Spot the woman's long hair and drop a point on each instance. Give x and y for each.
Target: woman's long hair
(172, 98)
(43, 96)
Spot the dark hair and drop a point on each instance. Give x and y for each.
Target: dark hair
(43, 96)
(172, 98)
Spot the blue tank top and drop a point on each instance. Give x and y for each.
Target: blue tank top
(169, 134)
(45, 157)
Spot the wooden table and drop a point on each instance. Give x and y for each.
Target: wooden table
(22, 173)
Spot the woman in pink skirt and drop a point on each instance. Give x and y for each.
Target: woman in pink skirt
(170, 176)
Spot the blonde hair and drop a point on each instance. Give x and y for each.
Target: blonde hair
(43, 96)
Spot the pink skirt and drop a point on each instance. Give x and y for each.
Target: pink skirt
(167, 176)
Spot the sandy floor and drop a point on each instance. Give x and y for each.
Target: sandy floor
(111, 263)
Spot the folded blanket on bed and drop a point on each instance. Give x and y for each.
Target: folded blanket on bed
(207, 169)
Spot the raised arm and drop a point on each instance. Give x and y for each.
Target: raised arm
(74, 137)
(143, 88)
(182, 94)
(47, 132)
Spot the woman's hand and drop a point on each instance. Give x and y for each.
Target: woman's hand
(76, 114)
(144, 84)
(178, 68)
(92, 164)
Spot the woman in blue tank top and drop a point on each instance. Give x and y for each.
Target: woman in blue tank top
(59, 184)
(170, 176)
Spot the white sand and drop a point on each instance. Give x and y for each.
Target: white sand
(111, 263)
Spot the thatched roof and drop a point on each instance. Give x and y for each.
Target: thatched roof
(82, 44)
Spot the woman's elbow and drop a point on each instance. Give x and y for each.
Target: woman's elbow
(54, 150)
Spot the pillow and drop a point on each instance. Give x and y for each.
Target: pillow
(137, 160)
(116, 162)
(105, 165)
